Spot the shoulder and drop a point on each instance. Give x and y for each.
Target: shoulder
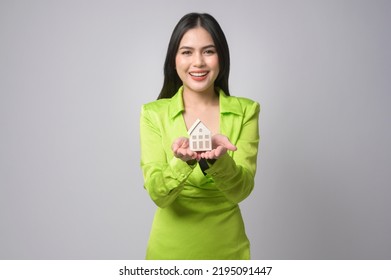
(165, 106)
(158, 108)
(155, 111)
(250, 108)
(238, 105)
(246, 102)
(157, 105)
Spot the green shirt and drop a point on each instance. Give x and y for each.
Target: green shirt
(198, 215)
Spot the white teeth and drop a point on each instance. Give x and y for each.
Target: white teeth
(199, 74)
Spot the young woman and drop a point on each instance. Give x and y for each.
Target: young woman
(197, 193)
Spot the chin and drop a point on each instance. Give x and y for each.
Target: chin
(201, 89)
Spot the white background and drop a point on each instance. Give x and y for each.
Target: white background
(74, 74)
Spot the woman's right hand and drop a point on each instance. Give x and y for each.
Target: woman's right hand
(181, 149)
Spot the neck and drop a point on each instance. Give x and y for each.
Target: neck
(199, 99)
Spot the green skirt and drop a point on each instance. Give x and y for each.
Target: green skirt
(202, 227)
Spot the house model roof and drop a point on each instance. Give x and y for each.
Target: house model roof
(195, 124)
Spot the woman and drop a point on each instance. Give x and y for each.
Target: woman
(197, 193)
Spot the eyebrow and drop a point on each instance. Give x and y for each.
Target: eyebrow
(191, 48)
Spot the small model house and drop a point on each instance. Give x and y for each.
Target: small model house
(200, 138)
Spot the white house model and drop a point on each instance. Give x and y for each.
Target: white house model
(200, 138)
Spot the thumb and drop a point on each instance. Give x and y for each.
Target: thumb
(177, 143)
(230, 146)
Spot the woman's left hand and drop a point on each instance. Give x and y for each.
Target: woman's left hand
(220, 145)
(181, 150)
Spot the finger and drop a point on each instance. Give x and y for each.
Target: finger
(174, 147)
(222, 140)
(185, 143)
(186, 154)
(219, 151)
(209, 155)
(176, 144)
(227, 144)
(230, 146)
(205, 155)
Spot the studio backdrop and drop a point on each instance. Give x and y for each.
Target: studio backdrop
(73, 77)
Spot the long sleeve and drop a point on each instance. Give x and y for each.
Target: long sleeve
(234, 173)
(164, 175)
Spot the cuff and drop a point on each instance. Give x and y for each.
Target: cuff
(221, 167)
(180, 169)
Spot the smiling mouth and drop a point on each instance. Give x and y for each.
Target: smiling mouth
(198, 74)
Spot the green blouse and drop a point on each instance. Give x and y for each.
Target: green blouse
(198, 216)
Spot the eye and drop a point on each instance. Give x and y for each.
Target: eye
(209, 51)
(186, 52)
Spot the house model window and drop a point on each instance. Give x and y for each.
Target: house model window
(200, 138)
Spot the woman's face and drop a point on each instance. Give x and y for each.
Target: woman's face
(197, 63)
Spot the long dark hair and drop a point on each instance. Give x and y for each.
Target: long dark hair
(172, 82)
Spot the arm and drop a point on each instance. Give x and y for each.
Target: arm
(164, 176)
(234, 172)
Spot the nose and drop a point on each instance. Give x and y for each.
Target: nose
(198, 60)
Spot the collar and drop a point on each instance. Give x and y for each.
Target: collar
(176, 105)
(228, 104)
